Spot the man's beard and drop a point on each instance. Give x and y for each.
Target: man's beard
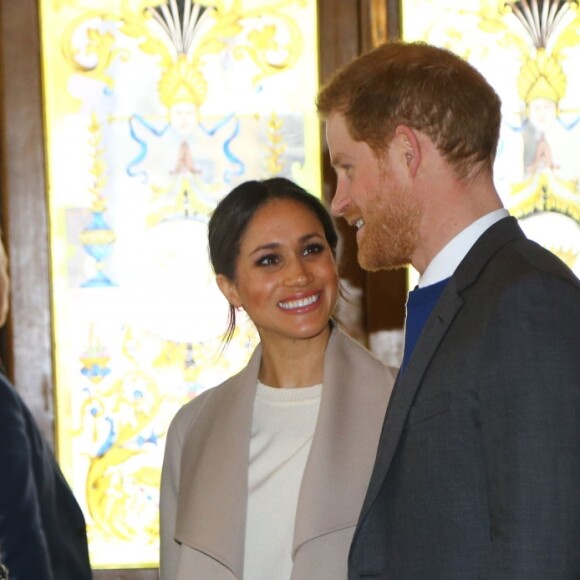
(391, 229)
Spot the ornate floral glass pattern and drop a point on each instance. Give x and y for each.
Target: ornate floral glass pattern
(530, 52)
(154, 110)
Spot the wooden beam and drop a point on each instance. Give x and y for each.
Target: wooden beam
(25, 223)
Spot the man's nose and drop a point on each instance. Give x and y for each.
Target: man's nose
(339, 202)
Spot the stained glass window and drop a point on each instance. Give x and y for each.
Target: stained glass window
(154, 110)
(530, 53)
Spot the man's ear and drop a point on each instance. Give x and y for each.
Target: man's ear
(229, 289)
(409, 147)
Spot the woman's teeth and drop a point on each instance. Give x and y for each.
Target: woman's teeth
(292, 304)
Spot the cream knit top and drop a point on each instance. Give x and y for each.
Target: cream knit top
(283, 426)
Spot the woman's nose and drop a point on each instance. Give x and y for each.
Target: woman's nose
(298, 275)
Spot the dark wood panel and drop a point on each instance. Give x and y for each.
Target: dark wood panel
(394, 20)
(386, 291)
(29, 359)
(379, 301)
(338, 33)
(340, 42)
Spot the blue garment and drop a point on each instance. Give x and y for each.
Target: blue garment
(42, 528)
(419, 306)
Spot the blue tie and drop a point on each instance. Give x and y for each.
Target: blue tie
(420, 303)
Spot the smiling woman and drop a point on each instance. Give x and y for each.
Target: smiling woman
(286, 504)
(284, 242)
(286, 277)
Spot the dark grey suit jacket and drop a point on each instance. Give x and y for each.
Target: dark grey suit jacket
(478, 470)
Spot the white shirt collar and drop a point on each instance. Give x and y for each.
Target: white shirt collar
(449, 257)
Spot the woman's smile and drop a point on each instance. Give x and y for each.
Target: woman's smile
(300, 304)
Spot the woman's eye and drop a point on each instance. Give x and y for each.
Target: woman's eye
(313, 249)
(268, 260)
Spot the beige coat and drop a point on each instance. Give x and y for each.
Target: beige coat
(205, 471)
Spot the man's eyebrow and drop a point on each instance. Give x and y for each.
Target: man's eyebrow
(340, 159)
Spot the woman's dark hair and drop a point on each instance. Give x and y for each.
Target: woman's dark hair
(234, 213)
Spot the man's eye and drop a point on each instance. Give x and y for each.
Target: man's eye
(348, 169)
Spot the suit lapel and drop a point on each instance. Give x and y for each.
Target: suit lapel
(212, 508)
(441, 318)
(354, 399)
(407, 384)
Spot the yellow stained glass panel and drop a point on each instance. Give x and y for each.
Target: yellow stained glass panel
(154, 111)
(530, 53)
